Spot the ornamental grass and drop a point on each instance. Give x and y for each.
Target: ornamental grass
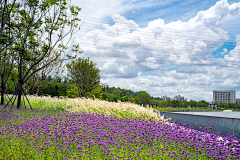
(77, 105)
(74, 131)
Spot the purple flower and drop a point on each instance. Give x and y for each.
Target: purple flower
(79, 146)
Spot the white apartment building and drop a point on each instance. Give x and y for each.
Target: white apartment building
(226, 96)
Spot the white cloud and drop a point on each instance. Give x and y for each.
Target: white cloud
(224, 51)
(234, 55)
(139, 74)
(124, 50)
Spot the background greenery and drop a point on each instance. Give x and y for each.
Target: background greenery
(65, 87)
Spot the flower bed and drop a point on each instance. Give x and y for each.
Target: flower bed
(54, 134)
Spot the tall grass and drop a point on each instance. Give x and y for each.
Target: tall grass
(77, 105)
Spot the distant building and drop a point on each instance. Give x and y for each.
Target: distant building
(174, 98)
(238, 101)
(226, 96)
(181, 98)
(165, 98)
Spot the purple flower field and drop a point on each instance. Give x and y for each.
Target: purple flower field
(54, 134)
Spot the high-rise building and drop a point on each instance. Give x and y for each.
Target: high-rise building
(178, 97)
(174, 98)
(182, 98)
(165, 97)
(226, 96)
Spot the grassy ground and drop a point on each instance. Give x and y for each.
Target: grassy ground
(94, 129)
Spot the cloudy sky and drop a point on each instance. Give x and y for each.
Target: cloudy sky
(166, 47)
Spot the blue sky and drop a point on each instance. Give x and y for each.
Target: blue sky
(166, 47)
(172, 11)
(224, 50)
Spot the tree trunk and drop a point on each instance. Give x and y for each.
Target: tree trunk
(33, 84)
(38, 90)
(19, 95)
(2, 93)
(20, 84)
(33, 87)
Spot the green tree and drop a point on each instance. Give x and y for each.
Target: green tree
(85, 73)
(235, 105)
(124, 92)
(130, 99)
(203, 103)
(54, 89)
(175, 103)
(180, 103)
(162, 103)
(105, 96)
(200, 104)
(116, 91)
(193, 103)
(124, 99)
(185, 104)
(7, 33)
(220, 105)
(169, 103)
(114, 98)
(39, 79)
(154, 102)
(8, 10)
(95, 93)
(151, 102)
(137, 100)
(73, 91)
(11, 85)
(6, 67)
(144, 97)
(36, 22)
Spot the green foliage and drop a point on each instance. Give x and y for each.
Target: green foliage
(137, 100)
(124, 99)
(227, 105)
(105, 96)
(113, 98)
(130, 99)
(95, 93)
(144, 97)
(32, 26)
(119, 91)
(86, 75)
(12, 81)
(73, 91)
(54, 89)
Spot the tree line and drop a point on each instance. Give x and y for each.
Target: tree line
(66, 87)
